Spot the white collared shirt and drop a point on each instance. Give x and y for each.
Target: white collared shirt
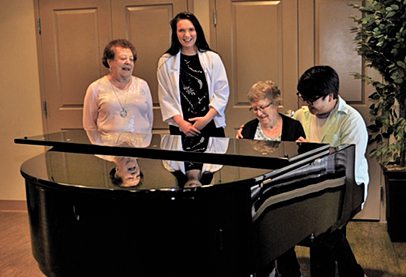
(344, 125)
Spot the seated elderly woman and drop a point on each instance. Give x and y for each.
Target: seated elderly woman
(269, 124)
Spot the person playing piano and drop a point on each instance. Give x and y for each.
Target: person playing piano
(265, 98)
(327, 118)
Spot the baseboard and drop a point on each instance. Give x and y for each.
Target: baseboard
(13, 206)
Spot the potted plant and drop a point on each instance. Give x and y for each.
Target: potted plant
(380, 36)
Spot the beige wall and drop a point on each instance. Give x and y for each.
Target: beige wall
(20, 112)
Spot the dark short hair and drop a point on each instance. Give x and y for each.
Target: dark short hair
(201, 42)
(109, 54)
(118, 181)
(320, 81)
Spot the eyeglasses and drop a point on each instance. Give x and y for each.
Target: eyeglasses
(309, 101)
(259, 108)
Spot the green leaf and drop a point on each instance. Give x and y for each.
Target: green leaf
(380, 38)
(401, 64)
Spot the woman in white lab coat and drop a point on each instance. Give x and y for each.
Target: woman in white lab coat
(193, 87)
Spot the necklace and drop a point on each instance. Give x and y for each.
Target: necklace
(274, 123)
(271, 132)
(123, 111)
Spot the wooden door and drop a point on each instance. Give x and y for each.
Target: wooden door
(72, 37)
(334, 45)
(146, 24)
(257, 41)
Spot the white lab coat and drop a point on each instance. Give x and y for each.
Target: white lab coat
(168, 86)
(215, 145)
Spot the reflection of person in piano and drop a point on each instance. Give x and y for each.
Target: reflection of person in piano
(188, 173)
(327, 118)
(119, 138)
(126, 172)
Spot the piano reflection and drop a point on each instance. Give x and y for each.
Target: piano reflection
(192, 174)
(126, 172)
(262, 200)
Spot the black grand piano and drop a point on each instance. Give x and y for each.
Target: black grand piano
(257, 200)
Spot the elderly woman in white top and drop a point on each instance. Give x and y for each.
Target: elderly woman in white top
(193, 88)
(118, 101)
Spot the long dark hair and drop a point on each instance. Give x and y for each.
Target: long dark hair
(201, 42)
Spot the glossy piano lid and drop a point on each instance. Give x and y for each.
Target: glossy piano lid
(224, 151)
(72, 170)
